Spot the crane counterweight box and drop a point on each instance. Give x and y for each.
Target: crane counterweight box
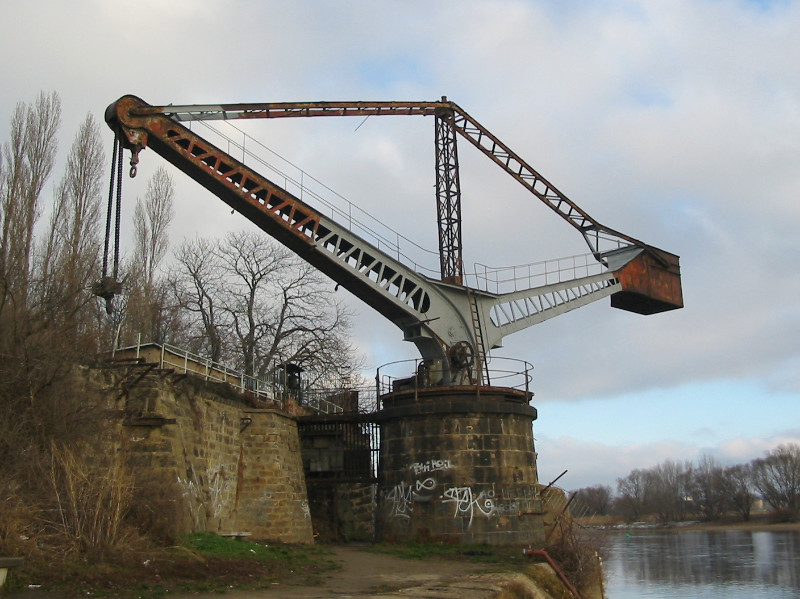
(651, 283)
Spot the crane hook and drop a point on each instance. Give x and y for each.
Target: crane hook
(134, 162)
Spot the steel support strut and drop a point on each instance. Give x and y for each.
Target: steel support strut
(448, 198)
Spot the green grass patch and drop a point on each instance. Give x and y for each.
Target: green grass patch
(211, 545)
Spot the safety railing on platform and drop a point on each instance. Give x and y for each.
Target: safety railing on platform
(405, 375)
(338, 400)
(185, 362)
(348, 400)
(507, 279)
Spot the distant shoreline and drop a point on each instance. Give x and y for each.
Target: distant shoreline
(758, 523)
(750, 525)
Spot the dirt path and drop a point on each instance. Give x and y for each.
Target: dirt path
(367, 574)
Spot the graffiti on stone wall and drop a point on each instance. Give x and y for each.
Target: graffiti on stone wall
(401, 497)
(430, 466)
(399, 500)
(221, 480)
(191, 495)
(215, 497)
(468, 504)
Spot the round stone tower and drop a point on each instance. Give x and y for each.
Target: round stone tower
(458, 465)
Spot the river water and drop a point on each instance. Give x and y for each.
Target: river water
(703, 564)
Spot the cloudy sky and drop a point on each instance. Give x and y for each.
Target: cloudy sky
(676, 122)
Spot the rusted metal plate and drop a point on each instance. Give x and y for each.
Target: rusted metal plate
(651, 283)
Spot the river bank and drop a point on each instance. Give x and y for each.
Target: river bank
(759, 522)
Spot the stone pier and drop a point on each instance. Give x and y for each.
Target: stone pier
(458, 465)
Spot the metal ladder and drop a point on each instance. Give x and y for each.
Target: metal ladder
(482, 365)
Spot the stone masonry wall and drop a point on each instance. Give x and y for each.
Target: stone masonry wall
(235, 468)
(337, 459)
(458, 468)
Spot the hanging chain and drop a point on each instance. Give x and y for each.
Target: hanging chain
(110, 208)
(119, 206)
(108, 286)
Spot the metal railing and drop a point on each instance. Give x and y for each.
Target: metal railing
(507, 279)
(508, 373)
(349, 400)
(185, 362)
(338, 400)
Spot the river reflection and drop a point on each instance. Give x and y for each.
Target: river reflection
(706, 564)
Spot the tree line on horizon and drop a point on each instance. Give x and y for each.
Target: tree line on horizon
(675, 491)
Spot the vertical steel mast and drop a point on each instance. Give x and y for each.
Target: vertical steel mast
(448, 197)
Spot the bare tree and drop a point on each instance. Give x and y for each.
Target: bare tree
(195, 283)
(669, 489)
(632, 491)
(41, 286)
(260, 306)
(706, 489)
(147, 309)
(26, 341)
(777, 478)
(151, 220)
(737, 489)
(598, 499)
(70, 253)
(28, 159)
(249, 266)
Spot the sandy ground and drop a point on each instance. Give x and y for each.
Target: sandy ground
(366, 574)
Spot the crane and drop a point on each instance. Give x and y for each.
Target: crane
(453, 325)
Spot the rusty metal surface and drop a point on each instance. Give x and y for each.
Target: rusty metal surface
(651, 283)
(272, 110)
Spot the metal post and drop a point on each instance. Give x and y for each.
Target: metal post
(448, 197)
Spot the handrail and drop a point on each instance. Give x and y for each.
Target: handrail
(518, 376)
(508, 279)
(184, 361)
(320, 400)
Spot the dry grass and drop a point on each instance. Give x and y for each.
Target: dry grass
(577, 551)
(91, 498)
(17, 519)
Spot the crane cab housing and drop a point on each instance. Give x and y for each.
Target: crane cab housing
(651, 283)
